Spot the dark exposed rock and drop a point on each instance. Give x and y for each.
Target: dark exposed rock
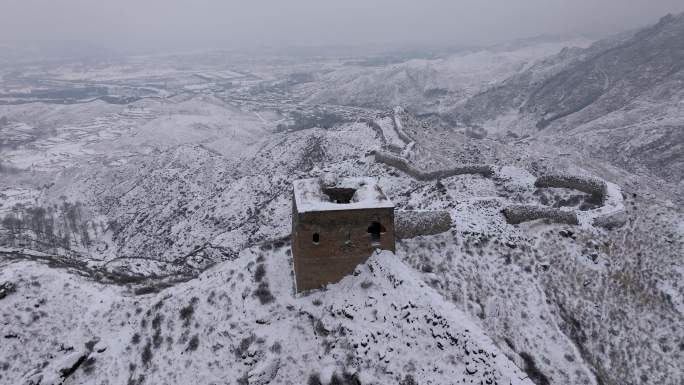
(567, 234)
(533, 371)
(71, 366)
(7, 288)
(408, 380)
(611, 221)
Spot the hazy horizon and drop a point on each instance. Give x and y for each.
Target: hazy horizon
(157, 25)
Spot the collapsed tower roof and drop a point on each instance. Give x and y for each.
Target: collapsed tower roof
(317, 194)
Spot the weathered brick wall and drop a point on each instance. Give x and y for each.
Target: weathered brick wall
(344, 242)
(589, 185)
(413, 223)
(523, 213)
(403, 165)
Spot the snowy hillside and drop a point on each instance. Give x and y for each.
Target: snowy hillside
(620, 99)
(241, 322)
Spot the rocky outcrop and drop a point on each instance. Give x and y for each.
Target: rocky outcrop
(611, 221)
(7, 288)
(58, 371)
(524, 213)
(409, 224)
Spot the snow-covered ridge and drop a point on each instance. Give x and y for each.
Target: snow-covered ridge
(381, 325)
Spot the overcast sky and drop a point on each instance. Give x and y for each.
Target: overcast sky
(182, 24)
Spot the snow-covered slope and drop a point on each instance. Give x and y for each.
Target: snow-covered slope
(240, 321)
(620, 99)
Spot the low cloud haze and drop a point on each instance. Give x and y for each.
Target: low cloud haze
(182, 24)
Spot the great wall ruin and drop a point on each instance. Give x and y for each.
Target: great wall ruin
(609, 213)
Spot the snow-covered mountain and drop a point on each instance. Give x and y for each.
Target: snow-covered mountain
(430, 85)
(621, 98)
(145, 218)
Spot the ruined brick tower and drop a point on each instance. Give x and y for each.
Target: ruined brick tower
(336, 226)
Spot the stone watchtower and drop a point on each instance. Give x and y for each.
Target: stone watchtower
(336, 226)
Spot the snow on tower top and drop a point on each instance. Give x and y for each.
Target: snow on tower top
(330, 194)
